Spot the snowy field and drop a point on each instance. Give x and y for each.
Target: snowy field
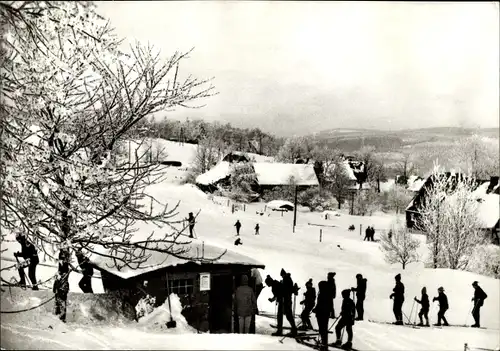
(300, 253)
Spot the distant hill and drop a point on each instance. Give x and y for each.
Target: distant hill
(352, 139)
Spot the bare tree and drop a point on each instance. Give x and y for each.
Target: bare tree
(448, 215)
(398, 198)
(404, 168)
(295, 148)
(339, 181)
(400, 248)
(69, 88)
(479, 155)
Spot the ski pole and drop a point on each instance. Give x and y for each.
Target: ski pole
(411, 311)
(334, 322)
(471, 310)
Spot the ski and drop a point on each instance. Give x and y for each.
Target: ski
(314, 345)
(341, 348)
(289, 328)
(390, 323)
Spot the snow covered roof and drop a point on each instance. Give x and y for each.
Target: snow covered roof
(280, 173)
(489, 206)
(415, 183)
(157, 260)
(216, 173)
(278, 204)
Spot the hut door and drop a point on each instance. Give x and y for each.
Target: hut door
(221, 303)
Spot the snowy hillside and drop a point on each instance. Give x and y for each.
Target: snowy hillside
(300, 253)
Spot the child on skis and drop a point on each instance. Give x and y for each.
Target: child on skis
(424, 311)
(308, 302)
(346, 321)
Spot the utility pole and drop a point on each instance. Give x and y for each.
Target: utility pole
(295, 210)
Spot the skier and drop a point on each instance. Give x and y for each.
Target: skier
(333, 291)
(443, 306)
(367, 234)
(277, 289)
(238, 226)
(238, 242)
(29, 253)
(245, 305)
(479, 296)
(288, 291)
(308, 302)
(322, 311)
(399, 298)
(360, 290)
(191, 221)
(257, 227)
(61, 287)
(424, 311)
(346, 320)
(87, 271)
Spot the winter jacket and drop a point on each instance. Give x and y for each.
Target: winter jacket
(237, 224)
(287, 288)
(28, 251)
(324, 304)
(245, 302)
(277, 289)
(443, 301)
(361, 288)
(424, 301)
(61, 288)
(479, 296)
(84, 264)
(399, 292)
(348, 310)
(309, 298)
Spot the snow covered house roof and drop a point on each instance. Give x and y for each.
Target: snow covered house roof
(276, 204)
(280, 173)
(489, 203)
(197, 252)
(415, 183)
(214, 174)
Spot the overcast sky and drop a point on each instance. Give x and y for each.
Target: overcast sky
(300, 67)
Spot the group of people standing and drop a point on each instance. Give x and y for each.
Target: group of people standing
(398, 298)
(369, 234)
(322, 305)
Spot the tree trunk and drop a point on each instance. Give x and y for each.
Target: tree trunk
(404, 265)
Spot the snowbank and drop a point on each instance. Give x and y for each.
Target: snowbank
(157, 320)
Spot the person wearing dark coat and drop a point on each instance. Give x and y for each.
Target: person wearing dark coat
(398, 297)
(322, 310)
(372, 234)
(360, 290)
(479, 297)
(424, 310)
(443, 306)
(238, 226)
(333, 291)
(308, 302)
(30, 254)
(277, 290)
(346, 320)
(257, 227)
(191, 222)
(87, 271)
(367, 234)
(288, 291)
(245, 305)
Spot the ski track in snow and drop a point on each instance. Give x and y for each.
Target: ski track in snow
(35, 337)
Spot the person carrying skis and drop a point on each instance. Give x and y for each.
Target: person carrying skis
(398, 297)
(191, 222)
(443, 306)
(346, 320)
(333, 291)
(308, 302)
(322, 311)
(238, 226)
(479, 297)
(257, 227)
(87, 271)
(30, 254)
(288, 291)
(277, 290)
(424, 310)
(360, 290)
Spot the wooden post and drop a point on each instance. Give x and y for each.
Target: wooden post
(265, 208)
(360, 229)
(282, 213)
(295, 210)
(227, 203)
(320, 234)
(244, 207)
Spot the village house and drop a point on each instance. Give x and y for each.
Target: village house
(487, 194)
(205, 287)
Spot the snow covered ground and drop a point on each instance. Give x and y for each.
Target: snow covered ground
(300, 253)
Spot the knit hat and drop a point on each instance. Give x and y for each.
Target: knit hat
(346, 293)
(398, 276)
(440, 288)
(474, 283)
(359, 276)
(309, 282)
(331, 274)
(282, 271)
